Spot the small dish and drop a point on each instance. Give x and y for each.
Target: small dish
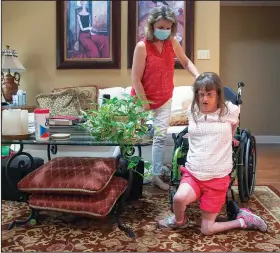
(60, 136)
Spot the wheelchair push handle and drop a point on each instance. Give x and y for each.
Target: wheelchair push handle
(241, 84)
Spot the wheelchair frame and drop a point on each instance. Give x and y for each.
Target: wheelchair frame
(244, 161)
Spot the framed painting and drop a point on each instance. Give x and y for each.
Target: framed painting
(88, 34)
(138, 12)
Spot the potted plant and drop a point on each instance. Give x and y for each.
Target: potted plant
(121, 121)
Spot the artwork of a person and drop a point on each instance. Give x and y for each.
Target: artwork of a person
(94, 45)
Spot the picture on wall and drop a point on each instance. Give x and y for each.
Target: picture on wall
(88, 34)
(138, 12)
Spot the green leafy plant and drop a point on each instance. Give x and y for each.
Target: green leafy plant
(120, 121)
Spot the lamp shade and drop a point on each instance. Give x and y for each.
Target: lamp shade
(10, 61)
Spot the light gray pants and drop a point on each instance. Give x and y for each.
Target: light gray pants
(160, 124)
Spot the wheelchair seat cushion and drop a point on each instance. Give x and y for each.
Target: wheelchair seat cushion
(85, 205)
(75, 175)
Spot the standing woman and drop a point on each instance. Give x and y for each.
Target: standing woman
(152, 77)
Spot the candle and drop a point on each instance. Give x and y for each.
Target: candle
(24, 122)
(6, 122)
(14, 122)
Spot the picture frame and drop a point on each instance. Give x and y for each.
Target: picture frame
(185, 16)
(88, 34)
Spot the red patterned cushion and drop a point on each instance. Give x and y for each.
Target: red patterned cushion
(89, 205)
(75, 175)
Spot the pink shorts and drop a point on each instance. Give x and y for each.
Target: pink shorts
(212, 193)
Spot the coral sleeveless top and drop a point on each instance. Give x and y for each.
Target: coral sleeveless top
(158, 75)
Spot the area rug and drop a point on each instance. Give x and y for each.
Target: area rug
(62, 232)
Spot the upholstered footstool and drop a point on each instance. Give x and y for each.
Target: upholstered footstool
(79, 185)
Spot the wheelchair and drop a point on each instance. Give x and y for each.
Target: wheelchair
(244, 161)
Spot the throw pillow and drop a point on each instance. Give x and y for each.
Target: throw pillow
(70, 175)
(87, 95)
(64, 103)
(178, 118)
(99, 205)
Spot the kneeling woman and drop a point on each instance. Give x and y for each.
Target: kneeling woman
(205, 177)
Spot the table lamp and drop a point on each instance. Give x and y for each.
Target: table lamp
(10, 63)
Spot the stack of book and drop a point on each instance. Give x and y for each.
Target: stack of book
(60, 122)
(64, 120)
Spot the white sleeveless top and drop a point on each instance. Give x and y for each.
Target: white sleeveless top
(210, 143)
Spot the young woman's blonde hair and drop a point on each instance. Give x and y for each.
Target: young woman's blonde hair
(158, 13)
(209, 81)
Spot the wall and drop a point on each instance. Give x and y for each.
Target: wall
(250, 51)
(30, 28)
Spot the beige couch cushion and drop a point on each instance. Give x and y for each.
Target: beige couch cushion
(87, 95)
(63, 103)
(178, 118)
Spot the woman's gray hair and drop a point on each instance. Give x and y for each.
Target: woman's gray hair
(158, 13)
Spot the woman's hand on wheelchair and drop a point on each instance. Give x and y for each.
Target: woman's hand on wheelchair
(235, 142)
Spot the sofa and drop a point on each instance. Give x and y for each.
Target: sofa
(182, 98)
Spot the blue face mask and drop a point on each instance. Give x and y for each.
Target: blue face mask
(162, 34)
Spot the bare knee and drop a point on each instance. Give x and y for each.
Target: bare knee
(178, 199)
(207, 223)
(184, 195)
(206, 229)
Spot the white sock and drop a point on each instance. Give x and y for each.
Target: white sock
(242, 222)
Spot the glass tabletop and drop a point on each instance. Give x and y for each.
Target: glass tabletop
(78, 137)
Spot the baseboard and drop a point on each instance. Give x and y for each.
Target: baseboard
(267, 139)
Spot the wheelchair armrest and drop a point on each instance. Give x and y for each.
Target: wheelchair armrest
(183, 133)
(179, 138)
(174, 137)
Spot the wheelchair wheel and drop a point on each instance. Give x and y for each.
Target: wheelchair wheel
(251, 164)
(247, 169)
